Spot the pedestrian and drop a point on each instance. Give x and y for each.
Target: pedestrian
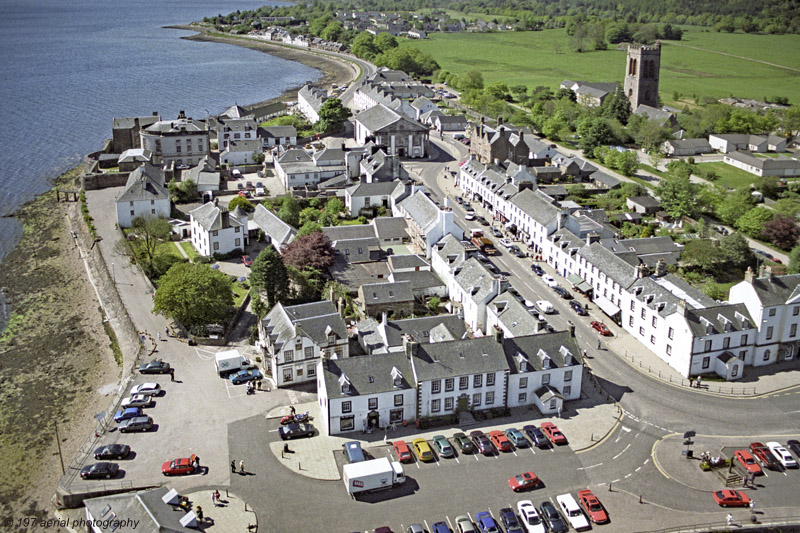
(216, 495)
(159, 336)
(199, 513)
(241, 467)
(698, 381)
(172, 374)
(197, 461)
(233, 465)
(691, 382)
(598, 344)
(292, 410)
(729, 519)
(584, 353)
(213, 499)
(258, 384)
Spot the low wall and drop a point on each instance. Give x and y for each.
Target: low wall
(95, 181)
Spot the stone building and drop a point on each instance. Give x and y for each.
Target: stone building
(641, 75)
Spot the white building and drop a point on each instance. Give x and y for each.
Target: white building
(398, 134)
(240, 152)
(276, 231)
(182, 141)
(427, 223)
(218, 231)
(144, 195)
(310, 100)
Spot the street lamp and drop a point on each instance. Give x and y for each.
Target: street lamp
(113, 280)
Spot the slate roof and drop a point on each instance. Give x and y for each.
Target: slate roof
(271, 224)
(236, 111)
(204, 172)
(701, 145)
(126, 123)
(777, 290)
(644, 201)
(653, 113)
(380, 188)
(712, 320)
(210, 217)
(135, 154)
(513, 314)
(247, 145)
(356, 231)
(475, 279)
(608, 262)
(424, 279)
(310, 320)
(421, 209)
(458, 358)
(368, 375)
(451, 250)
(378, 337)
(606, 179)
(144, 183)
(144, 508)
(535, 207)
(560, 348)
(763, 163)
(420, 102)
(669, 290)
(397, 262)
(357, 250)
(386, 293)
(378, 117)
(277, 131)
(176, 126)
(391, 227)
(313, 95)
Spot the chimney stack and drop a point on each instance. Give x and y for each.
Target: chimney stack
(498, 334)
(749, 275)
(682, 307)
(661, 268)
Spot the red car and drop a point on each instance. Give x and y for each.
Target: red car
(747, 461)
(763, 454)
(594, 509)
(552, 433)
(601, 328)
(176, 467)
(525, 481)
(731, 498)
(402, 451)
(500, 440)
(247, 261)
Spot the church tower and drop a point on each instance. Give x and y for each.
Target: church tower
(641, 75)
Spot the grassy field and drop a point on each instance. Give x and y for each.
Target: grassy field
(189, 249)
(544, 58)
(729, 176)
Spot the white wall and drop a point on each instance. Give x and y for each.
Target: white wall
(141, 208)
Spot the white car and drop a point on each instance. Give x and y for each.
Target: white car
(530, 517)
(137, 400)
(470, 215)
(545, 306)
(530, 304)
(549, 281)
(259, 191)
(573, 512)
(506, 242)
(782, 454)
(149, 389)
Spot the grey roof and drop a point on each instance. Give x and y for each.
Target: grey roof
(391, 227)
(211, 217)
(386, 293)
(378, 117)
(452, 251)
(278, 131)
(311, 320)
(371, 374)
(313, 95)
(380, 188)
(145, 509)
(701, 145)
(777, 290)
(452, 119)
(644, 201)
(475, 279)
(357, 250)
(356, 231)
(247, 145)
(458, 358)
(653, 113)
(271, 224)
(531, 353)
(763, 163)
(535, 207)
(144, 183)
(608, 262)
(668, 290)
(227, 124)
(236, 111)
(186, 125)
(647, 250)
(397, 262)
(380, 337)
(554, 190)
(606, 179)
(421, 209)
(135, 154)
(513, 314)
(712, 320)
(420, 102)
(424, 279)
(204, 172)
(124, 123)
(330, 154)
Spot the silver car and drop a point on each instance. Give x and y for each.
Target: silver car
(464, 524)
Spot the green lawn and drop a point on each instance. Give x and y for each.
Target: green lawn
(730, 176)
(537, 58)
(239, 293)
(168, 248)
(189, 249)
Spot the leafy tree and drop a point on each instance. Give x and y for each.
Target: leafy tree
(182, 192)
(330, 215)
(472, 79)
(789, 207)
(268, 273)
(364, 46)
(333, 31)
(677, 195)
(194, 294)
(308, 228)
(260, 309)
(410, 60)
(737, 250)
(385, 42)
(149, 232)
(290, 211)
(703, 255)
(433, 303)
(752, 223)
(733, 205)
(794, 260)
(782, 231)
(257, 157)
(617, 106)
(599, 133)
(240, 201)
(309, 251)
(498, 91)
(332, 115)
(617, 32)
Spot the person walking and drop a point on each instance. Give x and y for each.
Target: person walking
(159, 336)
(292, 410)
(729, 519)
(197, 461)
(216, 496)
(241, 467)
(698, 381)
(199, 513)
(213, 499)
(233, 466)
(172, 374)
(599, 344)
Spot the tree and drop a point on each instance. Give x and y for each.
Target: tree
(733, 205)
(617, 32)
(703, 255)
(737, 250)
(752, 223)
(182, 192)
(677, 195)
(598, 133)
(364, 46)
(782, 231)
(332, 115)
(789, 207)
(290, 211)
(433, 304)
(333, 31)
(498, 91)
(794, 260)
(149, 232)
(472, 79)
(257, 157)
(268, 274)
(194, 294)
(308, 228)
(240, 201)
(309, 251)
(385, 42)
(330, 214)
(617, 106)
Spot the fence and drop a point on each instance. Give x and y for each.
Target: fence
(757, 523)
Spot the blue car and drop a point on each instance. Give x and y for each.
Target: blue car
(537, 270)
(245, 375)
(486, 523)
(517, 438)
(578, 308)
(125, 414)
(440, 527)
(536, 436)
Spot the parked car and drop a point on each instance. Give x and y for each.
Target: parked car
(423, 450)
(506, 242)
(573, 512)
(137, 400)
(152, 389)
(594, 509)
(156, 366)
(295, 431)
(243, 376)
(402, 451)
(536, 435)
(463, 442)
(524, 481)
(99, 471)
(601, 328)
(415, 528)
(459, 200)
(555, 523)
(782, 454)
(545, 306)
(177, 467)
(249, 185)
(482, 442)
(562, 292)
(530, 517)
(464, 524)
(247, 261)
(578, 308)
(549, 281)
(496, 232)
(510, 521)
(470, 215)
(486, 523)
(500, 441)
(443, 447)
(539, 271)
(553, 434)
(517, 438)
(239, 186)
(794, 445)
(440, 527)
(125, 414)
(112, 451)
(764, 455)
(731, 498)
(140, 423)
(482, 221)
(515, 251)
(747, 461)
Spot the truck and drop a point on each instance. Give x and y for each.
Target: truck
(484, 244)
(376, 474)
(231, 361)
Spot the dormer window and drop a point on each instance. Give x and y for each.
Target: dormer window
(397, 377)
(344, 382)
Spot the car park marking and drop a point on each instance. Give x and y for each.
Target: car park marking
(623, 451)
(638, 468)
(593, 466)
(449, 523)
(628, 475)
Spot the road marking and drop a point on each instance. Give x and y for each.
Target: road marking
(626, 429)
(638, 468)
(272, 431)
(588, 467)
(515, 453)
(615, 481)
(647, 461)
(456, 458)
(793, 412)
(449, 523)
(623, 451)
(292, 396)
(628, 475)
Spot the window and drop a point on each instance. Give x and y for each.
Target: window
(553, 403)
(131, 204)
(523, 397)
(633, 305)
(449, 384)
(300, 371)
(796, 310)
(152, 202)
(178, 149)
(669, 349)
(347, 423)
(641, 330)
(490, 380)
(545, 379)
(477, 380)
(523, 383)
(630, 321)
(644, 313)
(236, 229)
(772, 312)
(490, 398)
(214, 233)
(287, 374)
(373, 403)
(436, 405)
(476, 399)
(655, 321)
(735, 371)
(131, 212)
(567, 390)
(216, 246)
(398, 400)
(770, 330)
(347, 407)
(706, 362)
(395, 416)
(436, 386)
(448, 404)
(288, 356)
(652, 339)
(726, 343)
(152, 211)
(670, 333)
(463, 382)
(766, 355)
(793, 330)
(568, 375)
(309, 352)
(707, 347)
(311, 370)
(238, 241)
(744, 340)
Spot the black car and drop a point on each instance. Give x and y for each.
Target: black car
(463, 442)
(459, 200)
(514, 250)
(296, 431)
(510, 520)
(482, 221)
(562, 292)
(156, 366)
(482, 442)
(536, 436)
(555, 523)
(100, 470)
(468, 208)
(496, 232)
(537, 270)
(794, 445)
(112, 451)
(578, 308)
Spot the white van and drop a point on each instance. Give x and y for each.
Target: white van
(573, 512)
